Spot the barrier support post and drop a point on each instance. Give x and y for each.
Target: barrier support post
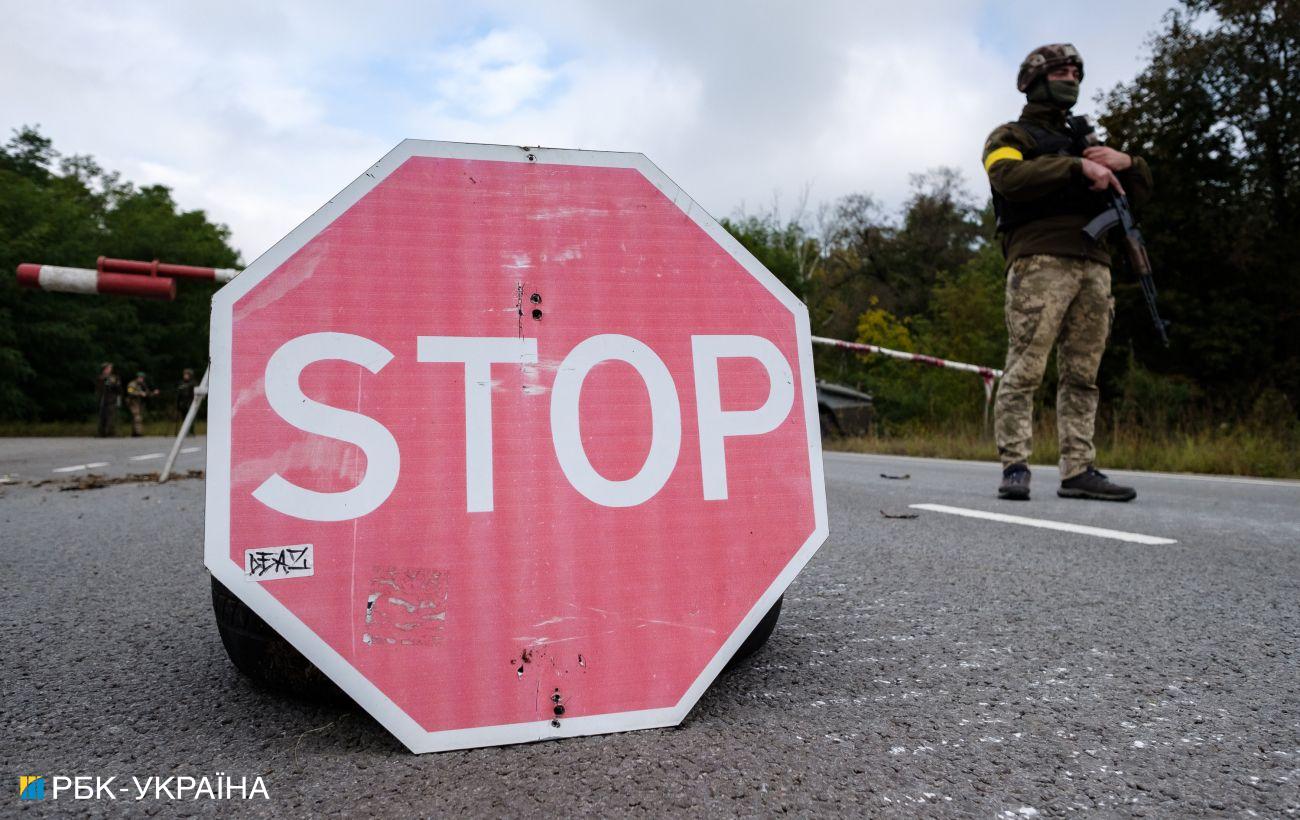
(200, 393)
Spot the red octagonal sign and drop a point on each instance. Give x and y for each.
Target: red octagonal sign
(502, 430)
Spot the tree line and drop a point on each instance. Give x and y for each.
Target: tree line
(1215, 110)
(68, 211)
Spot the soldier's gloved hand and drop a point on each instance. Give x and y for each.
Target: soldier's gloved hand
(1114, 160)
(1100, 177)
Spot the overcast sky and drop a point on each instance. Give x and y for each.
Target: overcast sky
(258, 112)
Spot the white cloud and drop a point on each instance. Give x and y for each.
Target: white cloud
(259, 113)
(491, 76)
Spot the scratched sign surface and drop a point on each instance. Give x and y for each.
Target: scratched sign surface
(548, 431)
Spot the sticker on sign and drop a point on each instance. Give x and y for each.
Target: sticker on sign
(269, 563)
(549, 430)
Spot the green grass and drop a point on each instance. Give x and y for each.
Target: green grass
(1225, 450)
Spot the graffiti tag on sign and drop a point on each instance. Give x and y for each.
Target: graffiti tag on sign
(268, 563)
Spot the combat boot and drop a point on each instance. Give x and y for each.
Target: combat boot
(1015, 483)
(1092, 484)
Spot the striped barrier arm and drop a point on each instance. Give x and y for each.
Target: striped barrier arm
(85, 280)
(156, 268)
(987, 374)
(120, 277)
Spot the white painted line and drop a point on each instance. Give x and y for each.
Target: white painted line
(147, 457)
(71, 469)
(1100, 532)
(985, 465)
(94, 464)
(190, 449)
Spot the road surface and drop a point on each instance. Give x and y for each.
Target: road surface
(943, 664)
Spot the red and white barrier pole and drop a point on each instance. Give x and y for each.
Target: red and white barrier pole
(987, 374)
(156, 268)
(84, 280)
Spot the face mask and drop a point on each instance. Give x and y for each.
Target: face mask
(1064, 93)
(1061, 93)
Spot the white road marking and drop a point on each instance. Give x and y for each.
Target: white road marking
(75, 467)
(1100, 532)
(985, 465)
(190, 449)
(147, 457)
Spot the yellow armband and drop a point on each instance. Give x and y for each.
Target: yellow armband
(1005, 152)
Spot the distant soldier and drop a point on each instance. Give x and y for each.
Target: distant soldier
(137, 393)
(108, 392)
(184, 396)
(1047, 184)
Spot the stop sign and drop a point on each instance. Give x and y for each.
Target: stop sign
(512, 443)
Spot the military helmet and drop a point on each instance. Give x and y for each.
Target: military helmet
(1042, 60)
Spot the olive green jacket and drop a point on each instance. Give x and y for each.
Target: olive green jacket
(1025, 180)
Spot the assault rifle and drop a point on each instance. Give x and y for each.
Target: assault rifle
(1119, 215)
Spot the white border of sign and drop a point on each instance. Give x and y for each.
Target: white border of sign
(217, 534)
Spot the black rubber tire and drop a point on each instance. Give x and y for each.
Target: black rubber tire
(263, 656)
(270, 661)
(758, 637)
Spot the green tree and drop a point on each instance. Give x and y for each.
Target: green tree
(1217, 113)
(786, 249)
(869, 256)
(69, 211)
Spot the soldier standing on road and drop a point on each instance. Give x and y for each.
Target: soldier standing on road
(137, 392)
(1046, 187)
(184, 396)
(108, 392)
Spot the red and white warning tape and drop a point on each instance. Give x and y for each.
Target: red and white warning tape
(987, 374)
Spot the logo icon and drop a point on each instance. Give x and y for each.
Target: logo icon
(31, 787)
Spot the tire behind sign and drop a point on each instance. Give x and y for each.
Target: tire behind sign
(758, 637)
(259, 652)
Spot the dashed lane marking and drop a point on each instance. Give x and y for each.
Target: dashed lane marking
(75, 467)
(1043, 523)
(94, 465)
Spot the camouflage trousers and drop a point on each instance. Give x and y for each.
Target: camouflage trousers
(136, 406)
(1062, 301)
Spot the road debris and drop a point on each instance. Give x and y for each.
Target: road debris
(95, 481)
(884, 514)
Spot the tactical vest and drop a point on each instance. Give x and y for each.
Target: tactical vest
(1070, 200)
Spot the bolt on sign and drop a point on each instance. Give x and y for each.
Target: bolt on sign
(546, 432)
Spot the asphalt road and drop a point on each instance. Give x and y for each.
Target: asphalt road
(938, 665)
